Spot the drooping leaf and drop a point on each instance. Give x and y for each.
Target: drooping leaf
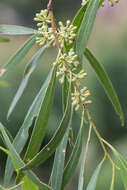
(18, 162)
(18, 56)
(58, 165)
(50, 148)
(4, 39)
(22, 135)
(104, 79)
(16, 30)
(74, 159)
(94, 178)
(42, 119)
(28, 71)
(86, 27)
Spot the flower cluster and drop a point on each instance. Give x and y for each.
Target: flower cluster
(46, 34)
(67, 66)
(67, 62)
(110, 2)
(79, 97)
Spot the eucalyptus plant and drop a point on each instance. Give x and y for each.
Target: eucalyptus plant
(71, 40)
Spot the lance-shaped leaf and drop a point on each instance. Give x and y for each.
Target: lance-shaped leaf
(22, 135)
(4, 39)
(104, 79)
(74, 159)
(16, 30)
(94, 178)
(18, 56)
(50, 148)
(58, 165)
(79, 16)
(28, 71)
(42, 119)
(17, 161)
(86, 27)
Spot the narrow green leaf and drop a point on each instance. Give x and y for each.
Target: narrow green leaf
(106, 83)
(79, 16)
(18, 163)
(28, 184)
(42, 119)
(74, 159)
(22, 136)
(94, 178)
(4, 39)
(86, 27)
(50, 148)
(83, 162)
(18, 56)
(58, 166)
(28, 71)
(16, 30)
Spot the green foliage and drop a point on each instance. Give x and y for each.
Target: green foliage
(71, 41)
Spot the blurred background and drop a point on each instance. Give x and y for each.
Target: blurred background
(108, 42)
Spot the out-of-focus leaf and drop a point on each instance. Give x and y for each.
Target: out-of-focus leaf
(28, 71)
(16, 30)
(15, 187)
(94, 178)
(58, 166)
(18, 163)
(86, 27)
(74, 159)
(4, 39)
(104, 79)
(50, 148)
(28, 184)
(18, 56)
(42, 119)
(3, 84)
(122, 164)
(22, 135)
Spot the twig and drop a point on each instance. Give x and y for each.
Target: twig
(54, 28)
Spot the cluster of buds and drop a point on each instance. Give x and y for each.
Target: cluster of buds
(67, 62)
(46, 34)
(67, 66)
(111, 2)
(79, 97)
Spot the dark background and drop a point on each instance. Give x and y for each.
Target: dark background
(108, 42)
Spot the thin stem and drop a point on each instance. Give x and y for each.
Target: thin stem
(100, 139)
(113, 177)
(54, 28)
